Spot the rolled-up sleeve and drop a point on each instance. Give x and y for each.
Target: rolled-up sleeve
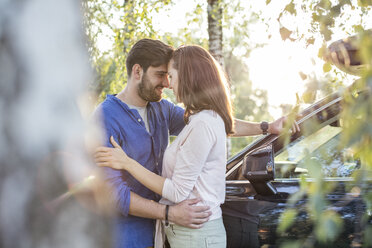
(191, 158)
(119, 189)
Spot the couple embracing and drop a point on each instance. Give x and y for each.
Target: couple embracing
(189, 174)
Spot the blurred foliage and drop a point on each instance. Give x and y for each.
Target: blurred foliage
(348, 17)
(122, 23)
(316, 21)
(286, 220)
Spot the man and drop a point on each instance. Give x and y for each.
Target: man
(141, 122)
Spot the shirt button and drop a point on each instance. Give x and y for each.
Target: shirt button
(139, 120)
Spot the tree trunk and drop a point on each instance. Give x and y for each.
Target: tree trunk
(215, 30)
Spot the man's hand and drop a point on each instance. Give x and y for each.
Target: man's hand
(276, 127)
(187, 214)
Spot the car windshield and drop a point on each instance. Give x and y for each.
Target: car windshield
(323, 146)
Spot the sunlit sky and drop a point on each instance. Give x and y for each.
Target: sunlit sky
(275, 67)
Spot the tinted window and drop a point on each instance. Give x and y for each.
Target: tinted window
(322, 146)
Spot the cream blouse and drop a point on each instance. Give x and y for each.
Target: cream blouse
(195, 163)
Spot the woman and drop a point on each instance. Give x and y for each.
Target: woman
(194, 164)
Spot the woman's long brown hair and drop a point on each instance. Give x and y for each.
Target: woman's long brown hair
(202, 84)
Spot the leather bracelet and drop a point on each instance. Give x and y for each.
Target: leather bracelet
(166, 215)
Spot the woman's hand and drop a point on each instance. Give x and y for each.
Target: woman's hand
(114, 157)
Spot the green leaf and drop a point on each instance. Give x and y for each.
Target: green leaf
(367, 237)
(325, 4)
(327, 67)
(309, 96)
(329, 226)
(336, 10)
(322, 51)
(294, 198)
(286, 220)
(291, 244)
(290, 8)
(364, 3)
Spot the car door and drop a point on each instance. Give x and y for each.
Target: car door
(313, 153)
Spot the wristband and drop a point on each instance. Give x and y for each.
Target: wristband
(166, 215)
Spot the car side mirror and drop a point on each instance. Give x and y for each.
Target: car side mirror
(259, 169)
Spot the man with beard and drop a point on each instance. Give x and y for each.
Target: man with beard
(141, 122)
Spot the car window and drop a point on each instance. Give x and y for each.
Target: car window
(322, 146)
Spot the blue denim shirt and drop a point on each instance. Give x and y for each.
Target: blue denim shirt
(128, 129)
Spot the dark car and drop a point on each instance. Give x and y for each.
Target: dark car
(263, 180)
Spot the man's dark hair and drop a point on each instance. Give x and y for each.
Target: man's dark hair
(146, 53)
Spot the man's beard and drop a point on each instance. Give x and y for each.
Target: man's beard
(146, 91)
